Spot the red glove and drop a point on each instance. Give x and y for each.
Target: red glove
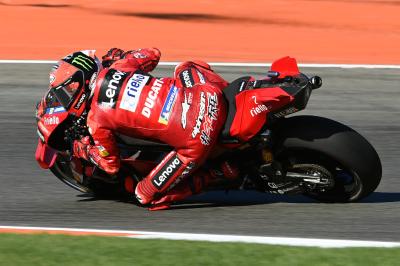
(81, 148)
(147, 58)
(112, 55)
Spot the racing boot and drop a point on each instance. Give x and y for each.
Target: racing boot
(168, 173)
(192, 185)
(196, 184)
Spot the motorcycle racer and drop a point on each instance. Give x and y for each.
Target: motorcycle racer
(307, 155)
(121, 98)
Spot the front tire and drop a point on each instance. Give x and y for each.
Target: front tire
(62, 169)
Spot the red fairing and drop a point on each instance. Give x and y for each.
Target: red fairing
(45, 155)
(252, 108)
(286, 66)
(50, 121)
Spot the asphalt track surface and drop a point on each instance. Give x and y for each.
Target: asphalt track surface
(367, 100)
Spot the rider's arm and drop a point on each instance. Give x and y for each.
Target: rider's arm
(104, 153)
(145, 59)
(105, 158)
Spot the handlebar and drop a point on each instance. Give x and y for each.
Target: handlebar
(315, 81)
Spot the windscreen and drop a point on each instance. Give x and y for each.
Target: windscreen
(66, 91)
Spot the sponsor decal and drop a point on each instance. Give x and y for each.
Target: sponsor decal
(151, 97)
(258, 109)
(133, 89)
(51, 120)
(185, 108)
(204, 138)
(212, 115)
(166, 172)
(93, 79)
(110, 88)
(205, 122)
(261, 108)
(168, 105)
(286, 112)
(52, 78)
(102, 151)
(212, 109)
(80, 102)
(139, 55)
(206, 131)
(188, 168)
(200, 117)
(187, 78)
(54, 110)
(201, 77)
(184, 174)
(84, 62)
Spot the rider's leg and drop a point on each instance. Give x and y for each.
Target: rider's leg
(193, 142)
(191, 73)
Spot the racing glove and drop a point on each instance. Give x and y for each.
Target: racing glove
(97, 155)
(81, 148)
(112, 55)
(147, 58)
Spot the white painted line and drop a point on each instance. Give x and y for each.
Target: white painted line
(27, 62)
(225, 64)
(286, 241)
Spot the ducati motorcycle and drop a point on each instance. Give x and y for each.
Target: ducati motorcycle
(311, 155)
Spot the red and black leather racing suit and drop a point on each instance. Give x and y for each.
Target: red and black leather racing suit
(185, 112)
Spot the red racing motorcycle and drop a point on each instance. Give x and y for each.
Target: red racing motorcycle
(309, 155)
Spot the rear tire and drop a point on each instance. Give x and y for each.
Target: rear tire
(349, 157)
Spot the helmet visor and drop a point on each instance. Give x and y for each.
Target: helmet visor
(66, 91)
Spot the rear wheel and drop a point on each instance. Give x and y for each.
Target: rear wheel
(342, 156)
(333, 181)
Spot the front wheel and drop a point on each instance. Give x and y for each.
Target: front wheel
(63, 170)
(347, 164)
